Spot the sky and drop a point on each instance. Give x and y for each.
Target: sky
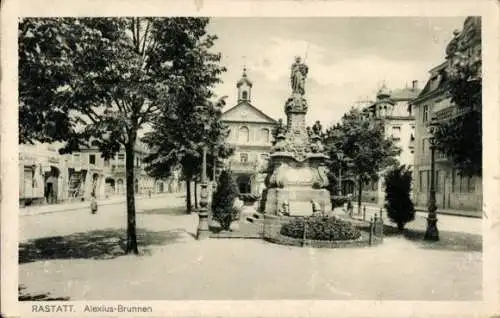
(348, 58)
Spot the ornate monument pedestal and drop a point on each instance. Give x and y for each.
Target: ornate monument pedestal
(297, 178)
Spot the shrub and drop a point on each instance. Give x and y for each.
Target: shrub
(321, 229)
(223, 210)
(400, 209)
(249, 198)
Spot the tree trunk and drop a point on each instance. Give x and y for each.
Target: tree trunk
(196, 195)
(360, 192)
(131, 226)
(401, 227)
(189, 206)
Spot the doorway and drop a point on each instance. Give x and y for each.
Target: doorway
(244, 184)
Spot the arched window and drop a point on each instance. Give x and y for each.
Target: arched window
(243, 157)
(244, 134)
(119, 186)
(244, 95)
(264, 132)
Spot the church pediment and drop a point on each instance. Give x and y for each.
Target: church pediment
(245, 112)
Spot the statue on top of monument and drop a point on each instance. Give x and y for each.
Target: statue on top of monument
(317, 128)
(298, 76)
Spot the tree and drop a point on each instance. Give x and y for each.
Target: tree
(461, 137)
(179, 143)
(106, 79)
(399, 206)
(362, 141)
(223, 200)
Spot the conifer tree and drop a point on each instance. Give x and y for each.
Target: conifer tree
(399, 206)
(223, 200)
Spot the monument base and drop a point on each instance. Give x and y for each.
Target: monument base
(299, 200)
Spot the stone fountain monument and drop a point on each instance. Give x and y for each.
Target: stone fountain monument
(297, 176)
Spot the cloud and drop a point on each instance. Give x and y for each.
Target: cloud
(333, 85)
(279, 53)
(275, 60)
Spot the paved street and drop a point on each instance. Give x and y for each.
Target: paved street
(77, 255)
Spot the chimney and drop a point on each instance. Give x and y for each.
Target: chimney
(414, 84)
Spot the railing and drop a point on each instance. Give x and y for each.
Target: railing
(450, 113)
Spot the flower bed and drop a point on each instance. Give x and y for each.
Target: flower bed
(320, 229)
(273, 225)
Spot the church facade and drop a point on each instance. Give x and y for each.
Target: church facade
(251, 135)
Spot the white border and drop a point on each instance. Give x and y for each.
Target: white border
(13, 9)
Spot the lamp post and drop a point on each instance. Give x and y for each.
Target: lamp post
(432, 233)
(340, 156)
(202, 231)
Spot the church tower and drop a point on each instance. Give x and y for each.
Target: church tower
(244, 86)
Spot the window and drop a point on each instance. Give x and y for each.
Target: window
(462, 184)
(425, 114)
(264, 158)
(437, 182)
(121, 159)
(421, 180)
(244, 134)
(244, 95)
(265, 135)
(243, 157)
(454, 178)
(92, 159)
(471, 184)
(76, 157)
(396, 133)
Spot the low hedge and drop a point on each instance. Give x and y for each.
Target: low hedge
(249, 197)
(338, 201)
(321, 229)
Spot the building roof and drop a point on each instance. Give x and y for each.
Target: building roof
(383, 92)
(435, 83)
(252, 107)
(244, 79)
(407, 93)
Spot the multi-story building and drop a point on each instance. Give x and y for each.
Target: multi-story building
(453, 191)
(251, 134)
(48, 177)
(395, 109)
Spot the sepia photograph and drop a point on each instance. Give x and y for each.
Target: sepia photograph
(187, 158)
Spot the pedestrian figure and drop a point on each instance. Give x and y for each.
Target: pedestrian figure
(93, 204)
(349, 204)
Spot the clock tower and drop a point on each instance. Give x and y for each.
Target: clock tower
(244, 86)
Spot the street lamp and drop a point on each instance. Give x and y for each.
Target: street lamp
(340, 156)
(202, 231)
(432, 233)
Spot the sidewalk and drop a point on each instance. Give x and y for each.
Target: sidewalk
(463, 213)
(63, 207)
(453, 223)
